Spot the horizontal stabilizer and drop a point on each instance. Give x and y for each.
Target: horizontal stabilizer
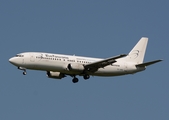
(148, 63)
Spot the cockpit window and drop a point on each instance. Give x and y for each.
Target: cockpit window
(19, 56)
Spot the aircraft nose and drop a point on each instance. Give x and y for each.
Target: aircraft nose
(11, 60)
(14, 61)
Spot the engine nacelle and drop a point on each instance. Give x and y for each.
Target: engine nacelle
(75, 67)
(56, 75)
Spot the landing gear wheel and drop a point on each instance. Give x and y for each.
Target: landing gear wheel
(75, 80)
(86, 77)
(24, 73)
(24, 70)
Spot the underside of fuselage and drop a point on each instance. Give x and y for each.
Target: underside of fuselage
(107, 71)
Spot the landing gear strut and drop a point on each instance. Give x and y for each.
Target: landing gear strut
(24, 70)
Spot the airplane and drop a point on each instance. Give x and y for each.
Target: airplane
(58, 66)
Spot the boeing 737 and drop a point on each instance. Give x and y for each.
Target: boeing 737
(59, 66)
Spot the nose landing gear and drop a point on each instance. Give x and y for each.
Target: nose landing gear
(24, 70)
(24, 73)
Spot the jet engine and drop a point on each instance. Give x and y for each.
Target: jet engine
(75, 67)
(55, 75)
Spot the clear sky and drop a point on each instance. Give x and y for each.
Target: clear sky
(91, 28)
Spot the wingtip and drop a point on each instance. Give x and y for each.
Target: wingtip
(144, 37)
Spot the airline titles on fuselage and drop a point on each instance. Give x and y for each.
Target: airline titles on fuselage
(64, 58)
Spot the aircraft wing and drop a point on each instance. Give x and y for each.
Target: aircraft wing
(148, 63)
(102, 63)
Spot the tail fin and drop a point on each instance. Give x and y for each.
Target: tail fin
(136, 55)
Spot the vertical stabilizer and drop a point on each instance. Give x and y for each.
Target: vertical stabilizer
(136, 55)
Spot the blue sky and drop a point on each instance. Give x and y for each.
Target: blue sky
(92, 28)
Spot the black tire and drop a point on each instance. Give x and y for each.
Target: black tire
(75, 80)
(86, 77)
(24, 73)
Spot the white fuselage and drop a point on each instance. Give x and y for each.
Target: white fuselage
(59, 66)
(59, 63)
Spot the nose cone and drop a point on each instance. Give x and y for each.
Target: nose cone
(14, 61)
(11, 60)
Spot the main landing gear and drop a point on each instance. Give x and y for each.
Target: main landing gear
(75, 79)
(24, 70)
(86, 77)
